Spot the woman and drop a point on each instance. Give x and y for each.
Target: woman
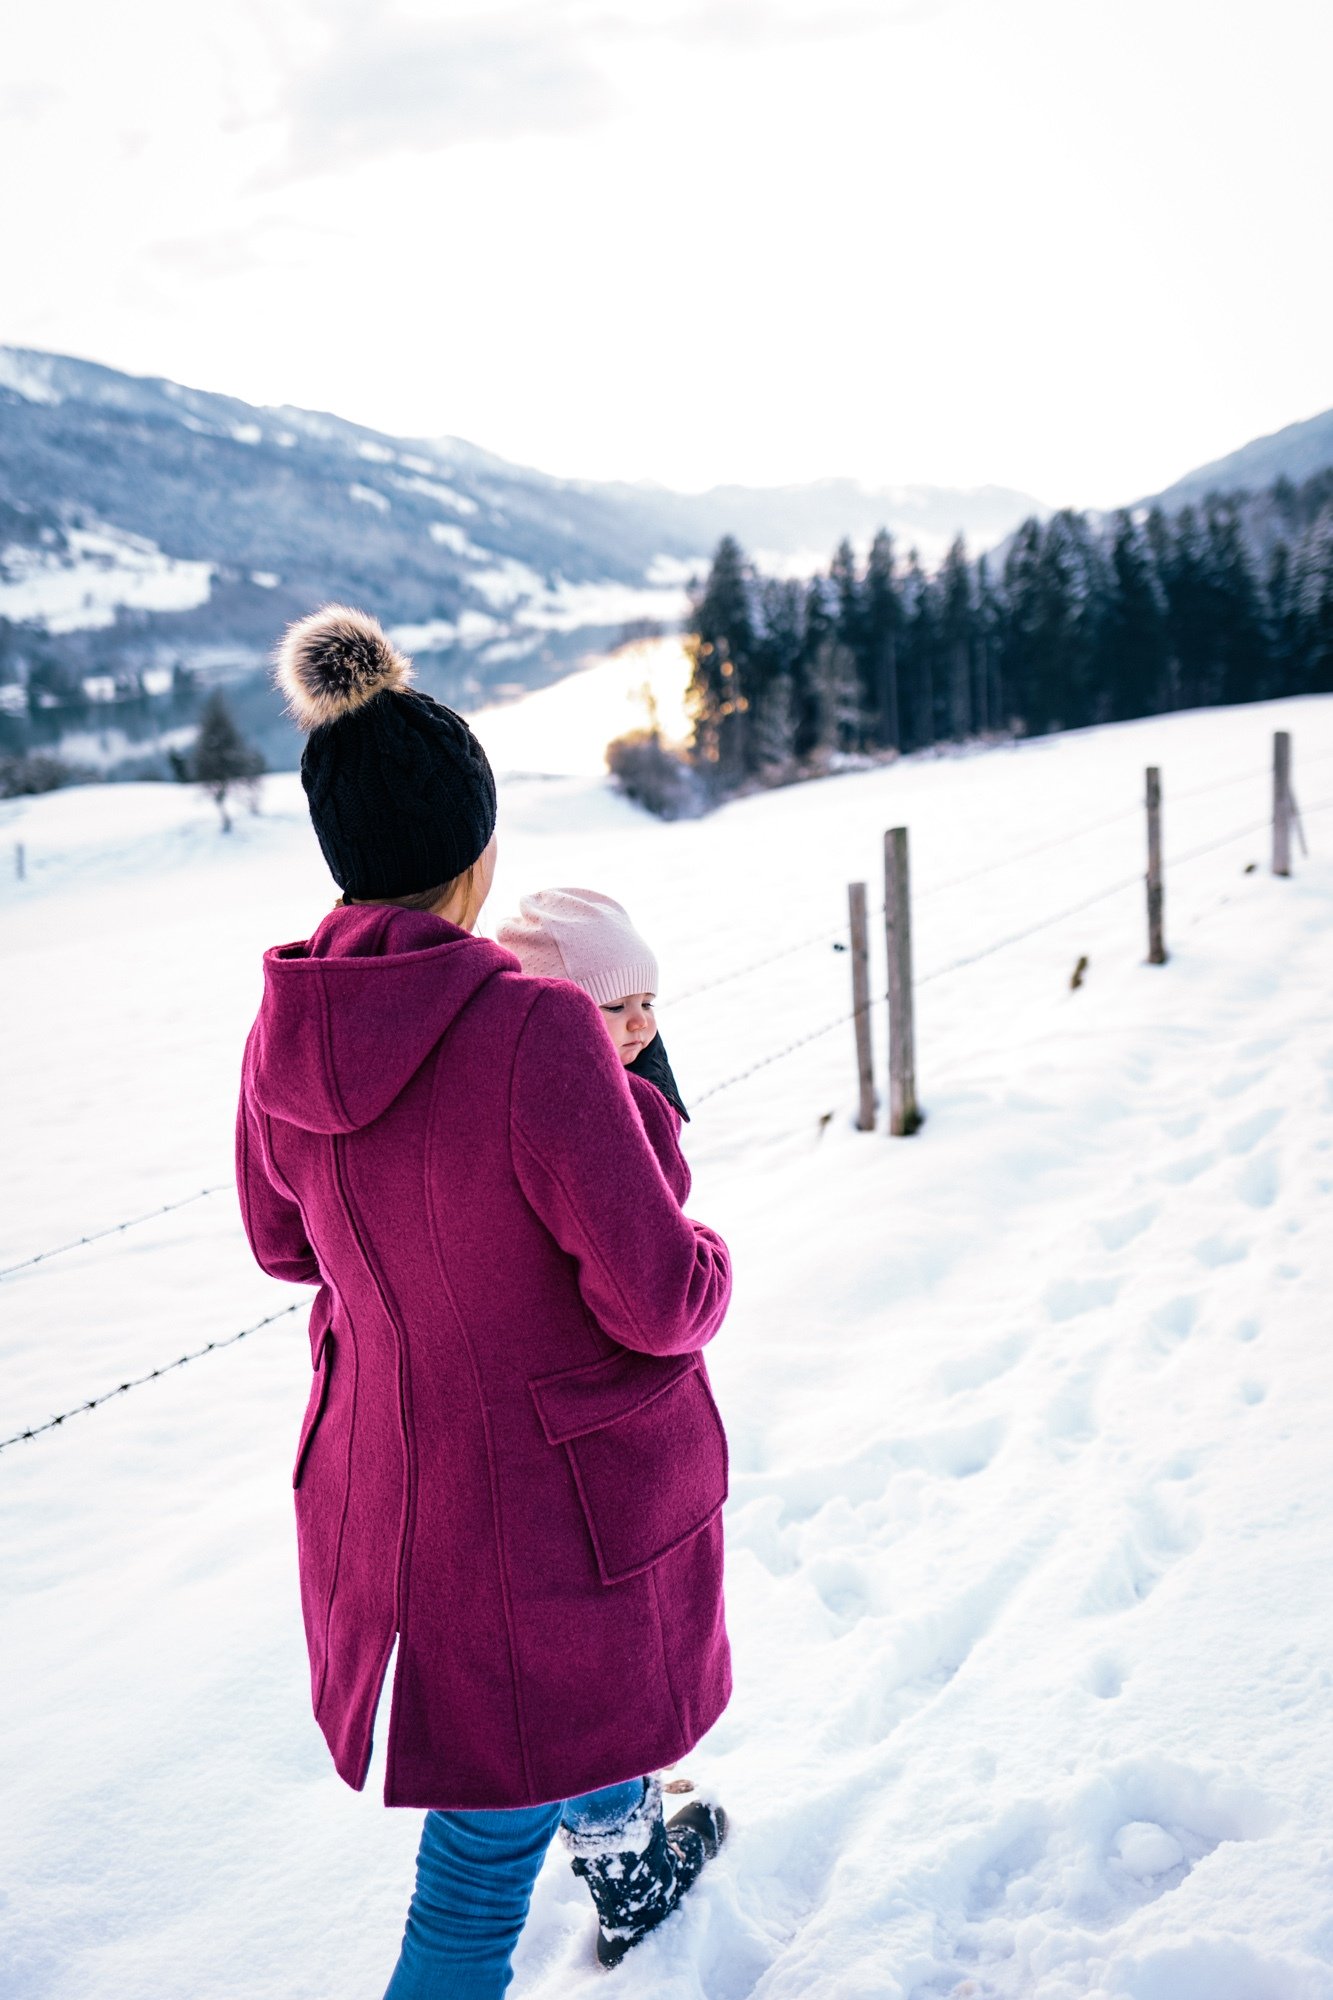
(511, 1463)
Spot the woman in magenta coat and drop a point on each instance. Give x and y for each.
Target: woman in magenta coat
(511, 1462)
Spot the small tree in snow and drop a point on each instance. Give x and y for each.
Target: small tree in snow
(223, 762)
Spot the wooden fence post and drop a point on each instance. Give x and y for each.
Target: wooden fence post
(904, 1117)
(1281, 803)
(856, 911)
(1156, 942)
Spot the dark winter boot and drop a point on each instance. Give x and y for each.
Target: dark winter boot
(638, 1873)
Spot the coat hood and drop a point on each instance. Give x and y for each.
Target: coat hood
(349, 1015)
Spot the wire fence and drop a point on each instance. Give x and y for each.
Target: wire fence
(153, 1375)
(113, 1229)
(828, 1027)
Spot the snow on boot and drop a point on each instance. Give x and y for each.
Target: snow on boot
(638, 1872)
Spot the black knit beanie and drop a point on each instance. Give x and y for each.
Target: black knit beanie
(400, 791)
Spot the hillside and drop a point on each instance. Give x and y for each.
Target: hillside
(146, 527)
(1297, 452)
(1030, 1514)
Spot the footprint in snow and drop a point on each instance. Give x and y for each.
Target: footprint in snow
(1129, 1837)
(1217, 1250)
(1247, 1133)
(1069, 1298)
(1257, 1182)
(1178, 1172)
(982, 1364)
(1105, 1677)
(842, 1589)
(1070, 1420)
(1118, 1230)
(1236, 1084)
(1163, 1531)
(1173, 1321)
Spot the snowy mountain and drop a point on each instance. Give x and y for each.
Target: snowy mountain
(1030, 1512)
(1296, 452)
(145, 526)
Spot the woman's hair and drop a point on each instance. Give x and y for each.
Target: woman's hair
(423, 899)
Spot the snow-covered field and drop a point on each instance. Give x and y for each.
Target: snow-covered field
(1031, 1517)
(80, 586)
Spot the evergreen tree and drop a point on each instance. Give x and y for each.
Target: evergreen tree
(1282, 623)
(1134, 654)
(721, 645)
(1085, 624)
(882, 618)
(850, 621)
(1313, 566)
(780, 674)
(1022, 594)
(919, 651)
(222, 760)
(956, 636)
(819, 626)
(1234, 608)
(990, 697)
(1183, 570)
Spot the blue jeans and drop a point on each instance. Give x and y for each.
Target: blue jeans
(475, 1875)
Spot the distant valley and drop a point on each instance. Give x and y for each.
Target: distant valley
(155, 539)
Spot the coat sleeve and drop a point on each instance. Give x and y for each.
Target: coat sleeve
(661, 1121)
(653, 1279)
(272, 1220)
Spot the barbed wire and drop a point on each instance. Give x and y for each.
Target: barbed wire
(138, 1381)
(115, 1229)
(714, 1090)
(992, 867)
(754, 964)
(790, 1049)
(1031, 930)
(1003, 944)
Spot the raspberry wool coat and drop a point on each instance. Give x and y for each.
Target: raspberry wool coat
(511, 1458)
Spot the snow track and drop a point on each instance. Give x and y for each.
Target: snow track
(1030, 1515)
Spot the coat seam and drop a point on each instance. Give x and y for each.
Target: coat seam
(613, 1283)
(347, 1471)
(326, 1035)
(651, 1575)
(243, 1178)
(497, 1511)
(598, 1334)
(404, 1393)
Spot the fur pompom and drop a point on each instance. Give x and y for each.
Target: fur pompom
(333, 663)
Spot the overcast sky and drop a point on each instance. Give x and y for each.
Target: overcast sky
(1071, 246)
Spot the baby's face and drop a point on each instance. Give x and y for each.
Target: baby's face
(630, 1024)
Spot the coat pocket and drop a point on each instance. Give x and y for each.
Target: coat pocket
(647, 1450)
(314, 1409)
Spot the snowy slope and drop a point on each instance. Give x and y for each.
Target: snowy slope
(1030, 1519)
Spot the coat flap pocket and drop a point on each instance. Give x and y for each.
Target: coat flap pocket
(321, 1324)
(579, 1400)
(314, 1410)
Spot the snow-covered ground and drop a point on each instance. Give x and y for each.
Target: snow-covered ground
(1031, 1512)
(563, 730)
(79, 586)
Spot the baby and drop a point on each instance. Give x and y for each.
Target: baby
(588, 939)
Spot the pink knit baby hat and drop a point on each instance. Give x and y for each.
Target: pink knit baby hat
(579, 935)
